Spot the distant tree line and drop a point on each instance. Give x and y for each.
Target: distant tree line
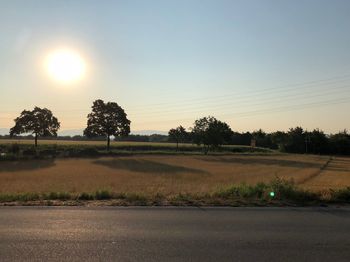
(298, 140)
(159, 138)
(212, 133)
(108, 120)
(143, 138)
(207, 131)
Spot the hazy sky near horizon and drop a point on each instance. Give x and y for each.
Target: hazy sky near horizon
(254, 64)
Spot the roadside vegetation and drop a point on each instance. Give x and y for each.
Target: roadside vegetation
(278, 192)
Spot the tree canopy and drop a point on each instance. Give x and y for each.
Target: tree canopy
(211, 132)
(39, 122)
(107, 119)
(178, 135)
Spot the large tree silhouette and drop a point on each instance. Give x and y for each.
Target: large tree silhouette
(39, 122)
(211, 132)
(107, 119)
(177, 135)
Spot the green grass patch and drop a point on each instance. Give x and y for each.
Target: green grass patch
(277, 190)
(24, 149)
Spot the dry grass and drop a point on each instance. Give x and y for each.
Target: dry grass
(168, 175)
(336, 175)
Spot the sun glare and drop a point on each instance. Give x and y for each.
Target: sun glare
(65, 66)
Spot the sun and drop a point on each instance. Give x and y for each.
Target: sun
(65, 66)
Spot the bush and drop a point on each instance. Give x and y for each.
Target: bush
(29, 152)
(182, 198)
(89, 152)
(8, 157)
(282, 190)
(71, 152)
(102, 195)
(28, 197)
(48, 153)
(243, 190)
(286, 190)
(84, 152)
(14, 149)
(342, 195)
(57, 196)
(85, 196)
(134, 197)
(19, 197)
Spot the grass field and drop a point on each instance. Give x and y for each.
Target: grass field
(85, 148)
(88, 143)
(114, 144)
(168, 175)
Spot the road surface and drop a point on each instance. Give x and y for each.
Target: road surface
(174, 234)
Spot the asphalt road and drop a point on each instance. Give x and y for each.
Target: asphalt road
(174, 234)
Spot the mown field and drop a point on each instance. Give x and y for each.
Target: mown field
(170, 174)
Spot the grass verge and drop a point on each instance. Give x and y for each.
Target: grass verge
(276, 193)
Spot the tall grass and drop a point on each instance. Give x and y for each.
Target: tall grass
(275, 192)
(277, 189)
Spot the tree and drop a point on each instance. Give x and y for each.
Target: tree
(296, 140)
(279, 140)
(177, 135)
(39, 122)
(211, 132)
(340, 143)
(262, 138)
(319, 142)
(107, 119)
(241, 138)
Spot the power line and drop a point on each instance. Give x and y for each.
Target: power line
(264, 91)
(261, 112)
(233, 105)
(242, 98)
(309, 84)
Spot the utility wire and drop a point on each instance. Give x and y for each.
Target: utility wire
(261, 112)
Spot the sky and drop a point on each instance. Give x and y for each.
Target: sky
(270, 64)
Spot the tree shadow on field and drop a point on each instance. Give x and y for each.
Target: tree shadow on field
(146, 166)
(25, 165)
(263, 161)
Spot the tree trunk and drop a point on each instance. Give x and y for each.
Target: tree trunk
(36, 140)
(177, 146)
(206, 149)
(108, 142)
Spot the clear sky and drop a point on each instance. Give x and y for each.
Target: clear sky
(254, 64)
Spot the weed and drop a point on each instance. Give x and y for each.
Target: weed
(136, 198)
(341, 195)
(102, 195)
(85, 196)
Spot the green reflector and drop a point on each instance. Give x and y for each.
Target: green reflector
(272, 194)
